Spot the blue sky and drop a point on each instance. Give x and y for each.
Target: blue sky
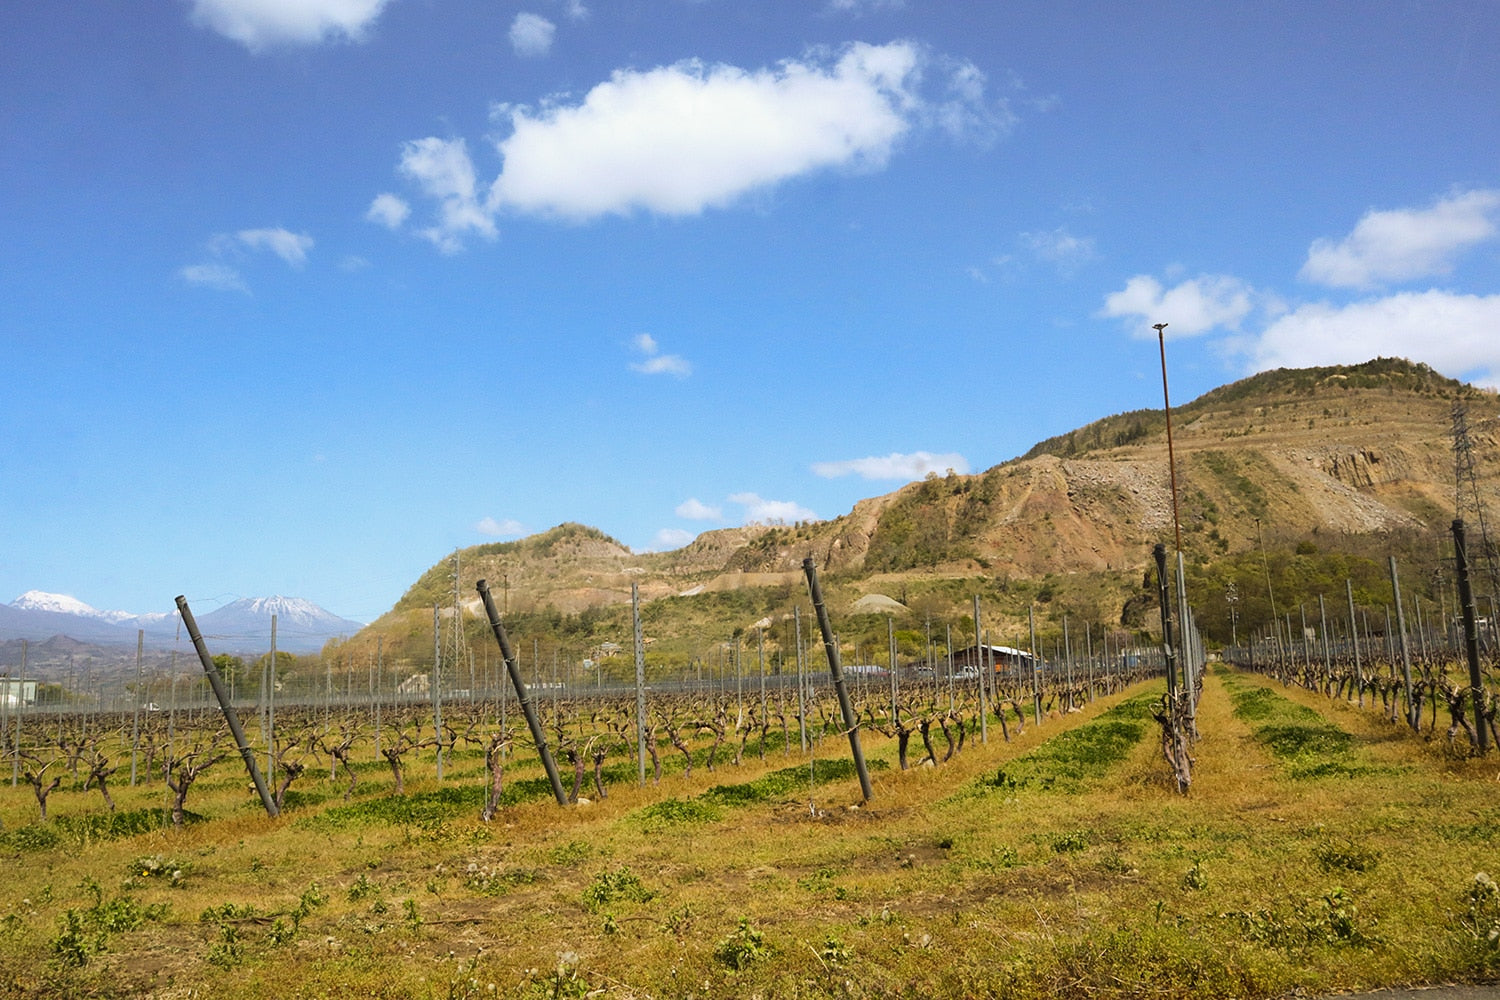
(297, 296)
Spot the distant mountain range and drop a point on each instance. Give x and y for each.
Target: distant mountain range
(240, 626)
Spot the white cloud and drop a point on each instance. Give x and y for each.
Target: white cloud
(664, 364)
(894, 466)
(258, 24)
(671, 538)
(1405, 244)
(499, 529)
(758, 509)
(218, 276)
(1453, 333)
(388, 210)
(290, 247)
(1060, 247)
(861, 6)
(443, 170)
(1192, 307)
(531, 34)
(575, 10)
(693, 509)
(656, 363)
(678, 139)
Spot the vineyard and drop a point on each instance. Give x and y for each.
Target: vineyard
(1025, 833)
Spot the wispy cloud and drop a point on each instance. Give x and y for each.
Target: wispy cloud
(220, 277)
(261, 24)
(671, 538)
(444, 172)
(915, 465)
(653, 362)
(1060, 248)
(680, 139)
(531, 35)
(693, 509)
(1195, 306)
(499, 528)
(388, 210)
(763, 511)
(289, 246)
(1405, 244)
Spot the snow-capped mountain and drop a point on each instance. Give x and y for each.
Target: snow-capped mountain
(240, 626)
(40, 600)
(301, 626)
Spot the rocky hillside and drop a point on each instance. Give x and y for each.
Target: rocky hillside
(1329, 455)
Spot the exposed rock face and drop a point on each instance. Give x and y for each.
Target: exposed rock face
(1357, 450)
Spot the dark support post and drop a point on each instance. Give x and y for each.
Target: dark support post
(836, 669)
(1159, 553)
(217, 683)
(533, 722)
(1471, 635)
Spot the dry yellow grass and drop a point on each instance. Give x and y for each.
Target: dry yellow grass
(948, 883)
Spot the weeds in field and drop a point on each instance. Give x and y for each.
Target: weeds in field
(743, 946)
(620, 884)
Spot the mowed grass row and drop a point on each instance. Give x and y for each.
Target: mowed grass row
(1319, 851)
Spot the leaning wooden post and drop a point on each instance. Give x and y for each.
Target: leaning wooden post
(217, 683)
(836, 669)
(1471, 635)
(538, 735)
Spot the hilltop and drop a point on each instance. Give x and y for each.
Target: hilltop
(1338, 459)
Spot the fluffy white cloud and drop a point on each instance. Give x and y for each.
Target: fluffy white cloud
(290, 247)
(894, 466)
(671, 538)
(531, 34)
(654, 362)
(1405, 244)
(677, 140)
(1454, 333)
(758, 509)
(443, 170)
(217, 276)
(257, 24)
(499, 529)
(1192, 307)
(695, 510)
(575, 10)
(388, 210)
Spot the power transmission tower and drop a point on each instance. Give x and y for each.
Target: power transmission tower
(1466, 497)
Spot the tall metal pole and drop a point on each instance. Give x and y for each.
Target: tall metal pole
(437, 687)
(135, 725)
(538, 734)
(640, 679)
(1411, 716)
(217, 683)
(1161, 339)
(984, 705)
(836, 670)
